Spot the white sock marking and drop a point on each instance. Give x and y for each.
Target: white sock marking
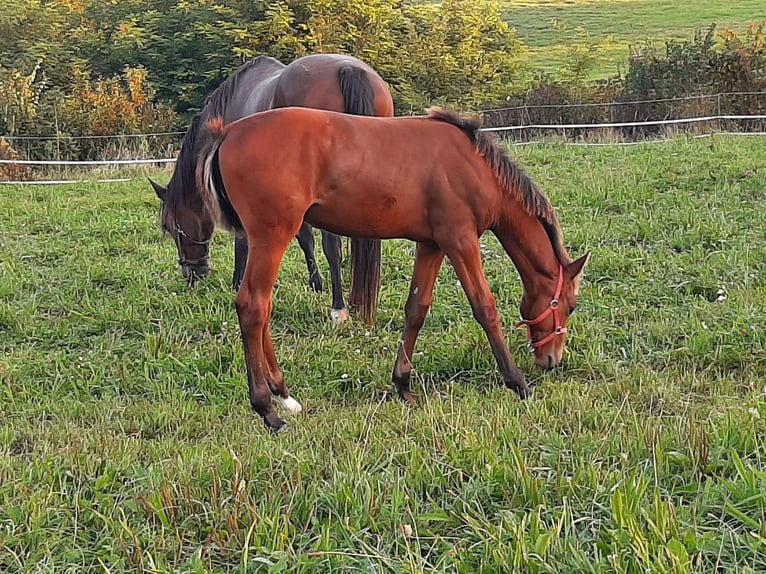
(290, 404)
(339, 316)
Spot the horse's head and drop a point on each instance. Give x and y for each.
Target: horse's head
(191, 227)
(549, 314)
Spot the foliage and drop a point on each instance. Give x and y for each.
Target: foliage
(685, 67)
(20, 100)
(462, 54)
(127, 444)
(453, 52)
(185, 46)
(708, 63)
(11, 171)
(118, 105)
(458, 53)
(583, 55)
(680, 82)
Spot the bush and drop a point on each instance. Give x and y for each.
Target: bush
(107, 107)
(680, 81)
(710, 63)
(11, 171)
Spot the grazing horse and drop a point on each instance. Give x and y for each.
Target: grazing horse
(436, 180)
(325, 81)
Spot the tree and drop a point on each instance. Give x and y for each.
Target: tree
(458, 53)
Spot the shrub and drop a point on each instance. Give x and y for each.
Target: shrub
(682, 80)
(118, 105)
(11, 171)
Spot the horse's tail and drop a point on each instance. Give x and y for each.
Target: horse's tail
(209, 180)
(359, 99)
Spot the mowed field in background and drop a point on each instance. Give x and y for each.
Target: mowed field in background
(127, 442)
(627, 22)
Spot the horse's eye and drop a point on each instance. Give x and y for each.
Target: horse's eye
(572, 309)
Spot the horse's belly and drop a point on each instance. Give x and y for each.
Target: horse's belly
(374, 216)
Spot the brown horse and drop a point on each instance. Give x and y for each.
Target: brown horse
(436, 180)
(333, 82)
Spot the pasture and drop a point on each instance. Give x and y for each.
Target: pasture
(627, 22)
(127, 442)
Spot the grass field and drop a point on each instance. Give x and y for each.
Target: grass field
(127, 444)
(628, 22)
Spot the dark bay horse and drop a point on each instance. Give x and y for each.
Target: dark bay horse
(325, 81)
(436, 180)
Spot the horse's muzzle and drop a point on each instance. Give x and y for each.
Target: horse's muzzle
(194, 272)
(548, 361)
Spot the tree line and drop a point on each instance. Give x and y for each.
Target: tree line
(141, 62)
(95, 67)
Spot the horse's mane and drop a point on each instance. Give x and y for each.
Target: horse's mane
(511, 177)
(183, 182)
(216, 103)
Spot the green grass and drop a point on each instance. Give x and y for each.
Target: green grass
(628, 22)
(127, 444)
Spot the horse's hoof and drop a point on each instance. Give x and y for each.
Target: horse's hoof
(316, 284)
(278, 431)
(522, 388)
(274, 423)
(339, 316)
(523, 391)
(407, 398)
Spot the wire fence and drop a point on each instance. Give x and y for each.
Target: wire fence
(632, 122)
(631, 119)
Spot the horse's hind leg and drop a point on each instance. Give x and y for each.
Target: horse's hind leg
(467, 263)
(253, 309)
(331, 245)
(240, 260)
(306, 241)
(428, 260)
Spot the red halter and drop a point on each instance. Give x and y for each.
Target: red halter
(553, 307)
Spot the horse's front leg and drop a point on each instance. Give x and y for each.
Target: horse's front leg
(275, 379)
(467, 263)
(428, 260)
(331, 245)
(253, 310)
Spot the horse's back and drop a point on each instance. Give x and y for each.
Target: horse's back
(341, 139)
(400, 170)
(313, 82)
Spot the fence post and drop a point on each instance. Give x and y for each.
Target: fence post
(720, 125)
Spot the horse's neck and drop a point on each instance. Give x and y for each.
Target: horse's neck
(526, 242)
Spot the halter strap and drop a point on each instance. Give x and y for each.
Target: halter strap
(553, 307)
(183, 260)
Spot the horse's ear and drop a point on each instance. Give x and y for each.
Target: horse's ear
(161, 192)
(576, 266)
